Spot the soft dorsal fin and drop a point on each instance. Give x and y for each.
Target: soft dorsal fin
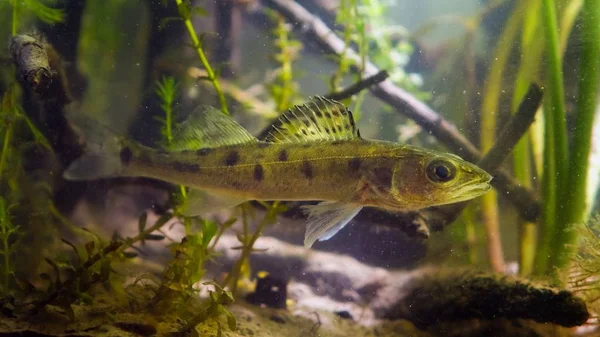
(208, 127)
(319, 119)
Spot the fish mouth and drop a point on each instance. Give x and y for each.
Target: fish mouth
(473, 189)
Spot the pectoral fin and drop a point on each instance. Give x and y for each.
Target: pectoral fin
(200, 201)
(326, 219)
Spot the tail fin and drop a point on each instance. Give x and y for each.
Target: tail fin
(105, 156)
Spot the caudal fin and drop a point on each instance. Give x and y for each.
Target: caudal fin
(105, 154)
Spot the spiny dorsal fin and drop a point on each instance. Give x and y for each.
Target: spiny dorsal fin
(208, 127)
(319, 119)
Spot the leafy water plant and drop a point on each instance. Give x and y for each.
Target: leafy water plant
(96, 268)
(583, 278)
(284, 90)
(9, 236)
(167, 89)
(23, 10)
(248, 239)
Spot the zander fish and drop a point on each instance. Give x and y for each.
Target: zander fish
(315, 152)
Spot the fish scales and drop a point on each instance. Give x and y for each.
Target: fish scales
(277, 171)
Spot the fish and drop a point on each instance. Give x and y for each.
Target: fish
(313, 153)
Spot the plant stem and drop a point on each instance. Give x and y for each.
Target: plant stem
(555, 146)
(528, 70)
(7, 136)
(15, 12)
(232, 278)
(574, 197)
(489, 111)
(200, 51)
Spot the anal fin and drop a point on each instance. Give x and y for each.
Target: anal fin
(199, 202)
(327, 218)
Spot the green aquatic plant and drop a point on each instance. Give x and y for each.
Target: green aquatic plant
(219, 299)
(9, 236)
(283, 89)
(523, 169)
(248, 239)
(92, 268)
(365, 26)
(574, 197)
(21, 10)
(489, 112)
(167, 89)
(555, 139)
(186, 12)
(353, 24)
(187, 267)
(583, 276)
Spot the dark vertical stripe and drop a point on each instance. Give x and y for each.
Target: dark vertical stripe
(259, 173)
(283, 155)
(307, 169)
(354, 165)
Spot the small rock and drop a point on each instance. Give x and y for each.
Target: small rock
(270, 291)
(345, 314)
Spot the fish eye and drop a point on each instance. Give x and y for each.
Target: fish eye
(441, 171)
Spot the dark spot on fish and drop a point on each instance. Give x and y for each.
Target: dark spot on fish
(263, 145)
(204, 151)
(305, 132)
(318, 112)
(126, 155)
(383, 177)
(283, 155)
(259, 173)
(185, 167)
(307, 169)
(306, 122)
(232, 158)
(354, 165)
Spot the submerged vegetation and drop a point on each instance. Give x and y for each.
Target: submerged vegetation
(125, 70)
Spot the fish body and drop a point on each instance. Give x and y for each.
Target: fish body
(314, 153)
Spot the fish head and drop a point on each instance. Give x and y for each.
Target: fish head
(427, 179)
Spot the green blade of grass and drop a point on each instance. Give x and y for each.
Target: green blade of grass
(555, 145)
(574, 198)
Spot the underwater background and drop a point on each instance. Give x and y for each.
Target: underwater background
(510, 86)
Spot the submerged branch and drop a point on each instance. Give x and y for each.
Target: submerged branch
(513, 130)
(359, 86)
(317, 31)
